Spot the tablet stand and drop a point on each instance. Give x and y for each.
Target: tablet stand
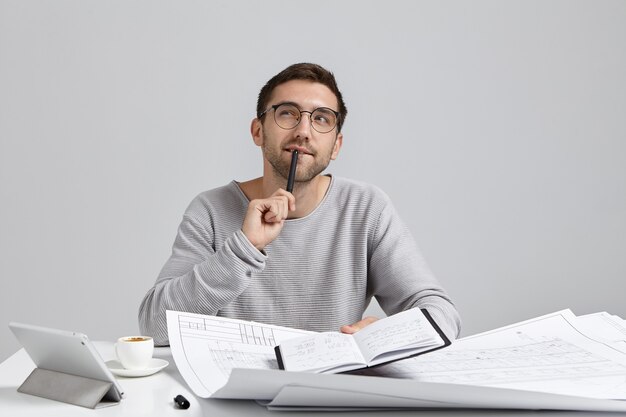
(71, 389)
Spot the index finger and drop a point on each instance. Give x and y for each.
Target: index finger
(291, 199)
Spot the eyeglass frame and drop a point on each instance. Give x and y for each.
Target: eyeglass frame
(275, 106)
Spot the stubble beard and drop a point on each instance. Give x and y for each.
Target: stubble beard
(303, 173)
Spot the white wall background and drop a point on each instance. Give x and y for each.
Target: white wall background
(497, 127)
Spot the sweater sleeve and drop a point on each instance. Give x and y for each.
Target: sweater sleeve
(197, 278)
(399, 277)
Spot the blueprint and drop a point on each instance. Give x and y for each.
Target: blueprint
(557, 361)
(208, 348)
(551, 353)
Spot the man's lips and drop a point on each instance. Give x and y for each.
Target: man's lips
(300, 149)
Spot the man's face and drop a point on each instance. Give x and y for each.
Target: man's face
(315, 149)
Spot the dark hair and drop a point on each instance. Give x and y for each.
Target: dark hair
(302, 71)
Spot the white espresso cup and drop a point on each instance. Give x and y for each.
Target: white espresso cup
(134, 352)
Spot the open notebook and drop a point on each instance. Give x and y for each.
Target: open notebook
(409, 333)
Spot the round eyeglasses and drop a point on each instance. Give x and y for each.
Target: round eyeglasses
(287, 116)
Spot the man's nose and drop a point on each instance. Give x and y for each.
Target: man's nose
(303, 130)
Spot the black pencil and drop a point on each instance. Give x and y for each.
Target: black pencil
(292, 170)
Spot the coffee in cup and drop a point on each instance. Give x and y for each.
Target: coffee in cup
(134, 352)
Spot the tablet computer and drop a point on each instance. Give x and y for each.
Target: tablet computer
(65, 351)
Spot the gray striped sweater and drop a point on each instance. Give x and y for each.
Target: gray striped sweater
(319, 274)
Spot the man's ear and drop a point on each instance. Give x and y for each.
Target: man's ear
(256, 129)
(337, 146)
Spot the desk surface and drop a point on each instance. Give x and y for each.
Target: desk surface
(153, 395)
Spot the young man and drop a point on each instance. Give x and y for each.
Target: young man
(310, 259)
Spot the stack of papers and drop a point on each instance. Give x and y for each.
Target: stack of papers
(557, 361)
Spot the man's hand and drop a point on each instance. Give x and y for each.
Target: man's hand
(266, 216)
(353, 328)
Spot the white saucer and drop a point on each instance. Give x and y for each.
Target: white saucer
(154, 366)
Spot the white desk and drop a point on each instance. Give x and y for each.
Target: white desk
(153, 396)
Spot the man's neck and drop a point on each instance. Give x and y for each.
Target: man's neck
(308, 194)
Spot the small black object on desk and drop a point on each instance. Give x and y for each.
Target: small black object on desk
(181, 402)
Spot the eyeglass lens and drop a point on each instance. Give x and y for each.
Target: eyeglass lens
(288, 116)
